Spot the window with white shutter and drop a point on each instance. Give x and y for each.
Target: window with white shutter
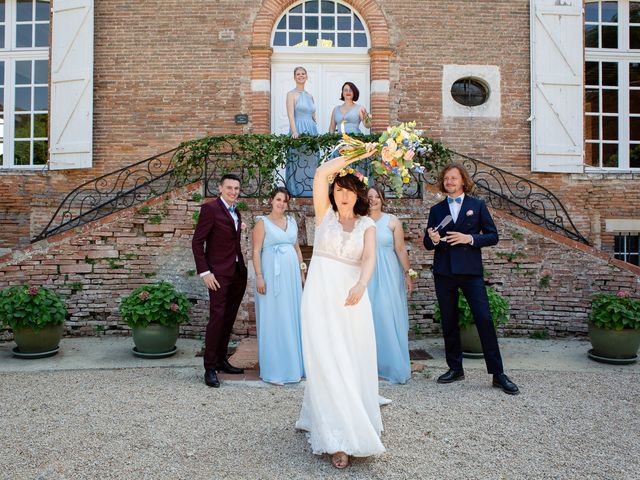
(556, 86)
(71, 85)
(612, 85)
(24, 84)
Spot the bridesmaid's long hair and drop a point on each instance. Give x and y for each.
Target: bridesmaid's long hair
(351, 182)
(380, 192)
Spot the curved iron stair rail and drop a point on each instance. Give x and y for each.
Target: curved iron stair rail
(155, 176)
(521, 197)
(115, 191)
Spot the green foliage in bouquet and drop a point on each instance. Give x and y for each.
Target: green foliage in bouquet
(31, 307)
(159, 302)
(397, 151)
(498, 306)
(615, 311)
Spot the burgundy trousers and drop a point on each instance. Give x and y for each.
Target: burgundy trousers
(223, 308)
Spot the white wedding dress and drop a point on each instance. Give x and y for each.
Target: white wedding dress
(341, 408)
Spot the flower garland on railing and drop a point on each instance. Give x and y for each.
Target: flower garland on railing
(261, 155)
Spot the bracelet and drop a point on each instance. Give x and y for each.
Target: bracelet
(303, 266)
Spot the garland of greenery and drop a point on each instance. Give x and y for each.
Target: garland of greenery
(259, 156)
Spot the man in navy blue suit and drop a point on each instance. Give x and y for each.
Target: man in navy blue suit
(457, 264)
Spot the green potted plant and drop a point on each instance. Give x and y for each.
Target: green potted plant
(36, 316)
(614, 327)
(469, 337)
(154, 313)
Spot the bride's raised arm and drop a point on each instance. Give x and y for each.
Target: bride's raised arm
(321, 200)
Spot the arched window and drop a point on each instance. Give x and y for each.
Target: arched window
(320, 23)
(24, 83)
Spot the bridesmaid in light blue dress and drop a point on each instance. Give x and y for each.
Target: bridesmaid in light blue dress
(301, 112)
(350, 112)
(388, 292)
(277, 261)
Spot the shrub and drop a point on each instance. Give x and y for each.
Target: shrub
(159, 302)
(498, 306)
(31, 307)
(615, 311)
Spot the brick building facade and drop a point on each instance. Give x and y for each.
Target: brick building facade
(167, 71)
(173, 70)
(547, 278)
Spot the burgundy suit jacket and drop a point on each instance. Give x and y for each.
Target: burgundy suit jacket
(216, 242)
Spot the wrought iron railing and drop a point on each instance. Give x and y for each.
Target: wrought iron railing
(519, 196)
(115, 191)
(288, 166)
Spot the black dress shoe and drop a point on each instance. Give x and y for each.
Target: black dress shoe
(211, 378)
(226, 367)
(502, 381)
(451, 376)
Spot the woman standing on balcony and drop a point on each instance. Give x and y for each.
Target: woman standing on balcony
(301, 112)
(388, 292)
(349, 112)
(279, 268)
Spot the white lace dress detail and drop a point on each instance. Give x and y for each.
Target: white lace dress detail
(333, 242)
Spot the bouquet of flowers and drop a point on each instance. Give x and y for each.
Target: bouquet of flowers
(395, 150)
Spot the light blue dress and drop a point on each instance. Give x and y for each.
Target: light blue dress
(388, 296)
(301, 165)
(278, 311)
(351, 119)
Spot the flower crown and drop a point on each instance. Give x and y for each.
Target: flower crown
(347, 171)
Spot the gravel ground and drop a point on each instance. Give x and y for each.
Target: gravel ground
(157, 423)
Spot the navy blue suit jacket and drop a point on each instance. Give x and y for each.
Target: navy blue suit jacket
(474, 219)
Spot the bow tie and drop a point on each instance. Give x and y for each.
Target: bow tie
(457, 200)
(232, 208)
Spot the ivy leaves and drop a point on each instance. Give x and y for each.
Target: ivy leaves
(258, 158)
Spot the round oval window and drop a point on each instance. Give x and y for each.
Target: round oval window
(469, 92)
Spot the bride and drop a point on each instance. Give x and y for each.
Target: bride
(340, 409)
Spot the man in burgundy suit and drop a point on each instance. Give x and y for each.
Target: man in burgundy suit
(219, 262)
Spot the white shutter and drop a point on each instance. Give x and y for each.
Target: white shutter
(556, 86)
(71, 135)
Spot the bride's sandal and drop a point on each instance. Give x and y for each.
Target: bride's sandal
(340, 460)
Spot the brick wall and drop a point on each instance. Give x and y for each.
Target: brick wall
(548, 279)
(179, 69)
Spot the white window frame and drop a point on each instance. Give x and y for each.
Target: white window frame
(320, 50)
(626, 253)
(623, 57)
(10, 54)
